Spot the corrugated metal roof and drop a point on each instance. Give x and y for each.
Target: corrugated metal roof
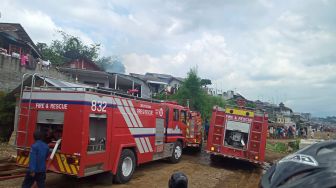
(63, 85)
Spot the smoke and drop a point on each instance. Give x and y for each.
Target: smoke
(112, 64)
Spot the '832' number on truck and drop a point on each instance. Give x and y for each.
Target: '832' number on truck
(98, 106)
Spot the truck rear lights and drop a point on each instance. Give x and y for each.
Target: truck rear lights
(256, 157)
(214, 148)
(72, 160)
(24, 153)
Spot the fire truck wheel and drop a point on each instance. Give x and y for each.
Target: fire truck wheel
(177, 153)
(126, 166)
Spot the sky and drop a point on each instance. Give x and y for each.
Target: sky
(274, 51)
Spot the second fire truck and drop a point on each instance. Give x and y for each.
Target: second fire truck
(90, 131)
(194, 131)
(238, 132)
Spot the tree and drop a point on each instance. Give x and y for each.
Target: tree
(111, 64)
(205, 82)
(68, 48)
(7, 109)
(191, 92)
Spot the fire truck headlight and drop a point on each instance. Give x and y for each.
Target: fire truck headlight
(256, 157)
(212, 148)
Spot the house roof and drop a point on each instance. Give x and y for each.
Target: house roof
(157, 78)
(130, 77)
(158, 75)
(176, 78)
(22, 36)
(55, 83)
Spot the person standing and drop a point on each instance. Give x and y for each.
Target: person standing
(23, 60)
(37, 163)
(206, 130)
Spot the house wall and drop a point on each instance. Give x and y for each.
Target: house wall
(145, 91)
(103, 82)
(280, 118)
(81, 64)
(11, 73)
(175, 83)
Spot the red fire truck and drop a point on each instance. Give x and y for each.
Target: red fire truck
(194, 132)
(238, 132)
(90, 131)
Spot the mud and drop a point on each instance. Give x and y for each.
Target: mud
(201, 172)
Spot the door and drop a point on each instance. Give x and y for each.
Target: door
(96, 148)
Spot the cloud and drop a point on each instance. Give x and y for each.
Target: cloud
(38, 24)
(209, 54)
(275, 50)
(287, 59)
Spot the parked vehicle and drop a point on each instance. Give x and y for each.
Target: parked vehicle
(91, 131)
(238, 132)
(194, 131)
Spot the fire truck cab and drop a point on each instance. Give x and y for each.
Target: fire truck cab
(238, 132)
(90, 131)
(194, 131)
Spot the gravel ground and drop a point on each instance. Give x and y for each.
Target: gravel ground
(226, 173)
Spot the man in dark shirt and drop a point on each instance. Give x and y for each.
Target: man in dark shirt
(37, 163)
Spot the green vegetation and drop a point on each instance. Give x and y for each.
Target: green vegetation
(70, 48)
(278, 147)
(283, 147)
(192, 93)
(295, 145)
(205, 82)
(67, 49)
(7, 109)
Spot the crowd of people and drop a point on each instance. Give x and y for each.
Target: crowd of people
(285, 132)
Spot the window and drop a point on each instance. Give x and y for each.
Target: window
(183, 116)
(97, 133)
(176, 115)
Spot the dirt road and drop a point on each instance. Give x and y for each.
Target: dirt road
(226, 173)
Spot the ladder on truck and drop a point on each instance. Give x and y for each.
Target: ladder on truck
(29, 108)
(32, 87)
